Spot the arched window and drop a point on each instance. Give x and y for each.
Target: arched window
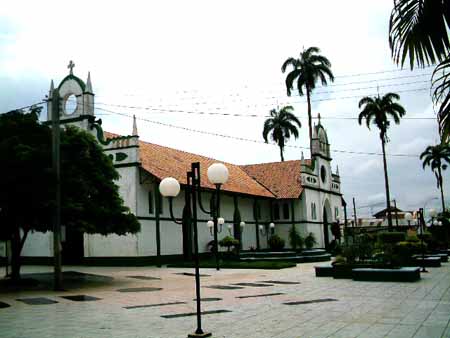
(313, 211)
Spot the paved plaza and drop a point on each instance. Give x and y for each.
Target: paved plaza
(141, 302)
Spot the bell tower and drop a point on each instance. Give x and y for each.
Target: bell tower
(77, 100)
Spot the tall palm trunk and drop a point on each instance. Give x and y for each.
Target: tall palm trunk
(308, 99)
(281, 153)
(442, 188)
(386, 183)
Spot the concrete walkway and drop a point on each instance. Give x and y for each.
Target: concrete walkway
(289, 303)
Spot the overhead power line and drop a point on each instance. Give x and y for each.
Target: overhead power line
(163, 110)
(246, 139)
(282, 85)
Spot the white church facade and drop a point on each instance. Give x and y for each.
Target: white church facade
(305, 193)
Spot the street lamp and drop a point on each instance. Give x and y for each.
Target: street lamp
(264, 231)
(433, 214)
(420, 225)
(408, 218)
(210, 225)
(169, 187)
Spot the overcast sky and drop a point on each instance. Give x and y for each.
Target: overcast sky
(192, 62)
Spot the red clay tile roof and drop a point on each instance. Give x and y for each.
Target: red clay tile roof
(273, 180)
(167, 162)
(281, 178)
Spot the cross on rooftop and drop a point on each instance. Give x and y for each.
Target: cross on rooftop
(70, 66)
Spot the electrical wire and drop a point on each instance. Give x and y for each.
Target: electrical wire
(248, 140)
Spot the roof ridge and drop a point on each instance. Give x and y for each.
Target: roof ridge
(265, 163)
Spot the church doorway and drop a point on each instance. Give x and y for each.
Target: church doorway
(73, 247)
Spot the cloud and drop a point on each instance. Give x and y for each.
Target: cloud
(225, 58)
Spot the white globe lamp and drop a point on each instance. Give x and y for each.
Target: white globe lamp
(217, 173)
(169, 187)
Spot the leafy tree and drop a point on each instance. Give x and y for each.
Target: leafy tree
(418, 30)
(376, 111)
(307, 70)
(435, 156)
(281, 125)
(90, 199)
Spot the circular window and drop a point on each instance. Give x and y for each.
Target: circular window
(323, 174)
(70, 104)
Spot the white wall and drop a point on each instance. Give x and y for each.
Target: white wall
(38, 244)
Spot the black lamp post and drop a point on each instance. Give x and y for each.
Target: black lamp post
(169, 187)
(421, 225)
(263, 230)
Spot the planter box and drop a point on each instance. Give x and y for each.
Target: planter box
(405, 274)
(429, 262)
(324, 271)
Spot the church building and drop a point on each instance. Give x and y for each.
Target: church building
(304, 193)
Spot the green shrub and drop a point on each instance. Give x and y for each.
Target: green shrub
(228, 242)
(426, 237)
(339, 259)
(403, 252)
(310, 241)
(350, 254)
(295, 239)
(412, 239)
(391, 237)
(276, 242)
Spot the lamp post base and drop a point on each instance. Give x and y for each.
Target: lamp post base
(199, 335)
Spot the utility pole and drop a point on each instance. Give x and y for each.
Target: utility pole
(354, 211)
(57, 177)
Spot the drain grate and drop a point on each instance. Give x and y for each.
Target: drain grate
(37, 301)
(262, 295)
(210, 299)
(146, 289)
(224, 287)
(144, 277)
(81, 298)
(282, 282)
(312, 301)
(189, 314)
(258, 285)
(153, 305)
(190, 274)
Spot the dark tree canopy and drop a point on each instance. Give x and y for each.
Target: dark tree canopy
(419, 30)
(378, 110)
(281, 125)
(306, 71)
(90, 198)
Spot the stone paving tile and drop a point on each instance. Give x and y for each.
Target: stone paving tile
(429, 331)
(363, 310)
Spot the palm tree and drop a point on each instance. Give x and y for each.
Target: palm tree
(307, 70)
(281, 124)
(418, 29)
(435, 156)
(376, 111)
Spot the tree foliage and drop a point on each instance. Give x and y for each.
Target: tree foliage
(281, 125)
(377, 110)
(307, 70)
(418, 30)
(438, 158)
(90, 198)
